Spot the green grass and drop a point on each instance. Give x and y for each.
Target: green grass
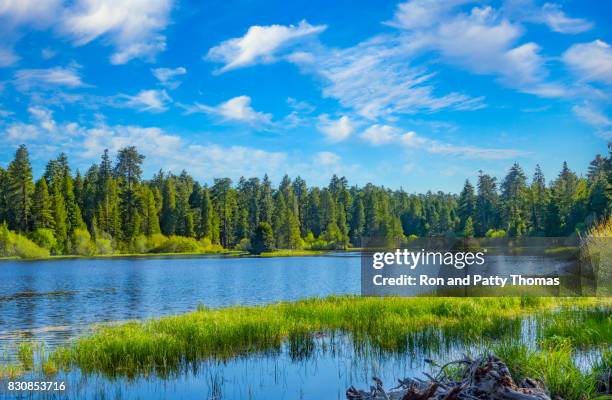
(554, 366)
(292, 253)
(387, 324)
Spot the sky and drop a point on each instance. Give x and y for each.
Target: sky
(418, 95)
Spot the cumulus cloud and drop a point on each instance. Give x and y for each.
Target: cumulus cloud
(260, 44)
(133, 27)
(148, 100)
(590, 61)
(335, 130)
(67, 77)
(167, 76)
(380, 134)
(237, 109)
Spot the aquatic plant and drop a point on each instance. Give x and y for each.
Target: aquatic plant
(387, 324)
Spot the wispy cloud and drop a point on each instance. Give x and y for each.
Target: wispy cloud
(549, 14)
(386, 134)
(375, 79)
(237, 109)
(167, 77)
(590, 61)
(132, 26)
(260, 44)
(452, 35)
(67, 77)
(147, 100)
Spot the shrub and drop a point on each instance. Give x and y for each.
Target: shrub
(81, 243)
(45, 238)
(496, 233)
(13, 244)
(104, 246)
(244, 245)
(178, 244)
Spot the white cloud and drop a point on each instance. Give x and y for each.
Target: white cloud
(483, 42)
(380, 134)
(335, 130)
(148, 100)
(166, 76)
(549, 14)
(591, 61)
(592, 115)
(374, 78)
(32, 11)
(161, 149)
(326, 158)
(416, 14)
(554, 17)
(47, 53)
(69, 77)
(44, 118)
(260, 44)
(386, 134)
(133, 27)
(236, 109)
(7, 57)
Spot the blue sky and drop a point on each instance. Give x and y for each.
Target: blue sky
(418, 94)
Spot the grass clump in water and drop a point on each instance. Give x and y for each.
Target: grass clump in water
(554, 365)
(389, 324)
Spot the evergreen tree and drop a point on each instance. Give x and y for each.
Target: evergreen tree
(20, 190)
(128, 171)
(538, 202)
(467, 204)
(262, 239)
(42, 206)
(514, 201)
(486, 204)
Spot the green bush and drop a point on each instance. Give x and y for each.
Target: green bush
(177, 244)
(15, 245)
(81, 243)
(45, 238)
(104, 246)
(496, 233)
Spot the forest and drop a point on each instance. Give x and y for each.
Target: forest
(111, 209)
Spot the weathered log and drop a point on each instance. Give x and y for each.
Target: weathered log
(486, 377)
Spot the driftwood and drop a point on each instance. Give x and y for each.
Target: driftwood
(486, 377)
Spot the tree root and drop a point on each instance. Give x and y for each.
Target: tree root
(486, 377)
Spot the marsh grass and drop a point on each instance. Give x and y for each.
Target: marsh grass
(554, 365)
(384, 324)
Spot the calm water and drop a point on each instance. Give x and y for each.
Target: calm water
(55, 301)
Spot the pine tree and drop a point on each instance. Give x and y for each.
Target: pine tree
(514, 201)
(262, 239)
(20, 190)
(467, 204)
(357, 223)
(538, 202)
(128, 171)
(42, 206)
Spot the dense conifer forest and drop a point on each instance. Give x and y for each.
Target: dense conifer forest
(110, 208)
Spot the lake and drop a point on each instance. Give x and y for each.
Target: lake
(55, 301)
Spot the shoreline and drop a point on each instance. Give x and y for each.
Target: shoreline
(220, 254)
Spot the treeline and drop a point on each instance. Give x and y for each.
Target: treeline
(110, 208)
